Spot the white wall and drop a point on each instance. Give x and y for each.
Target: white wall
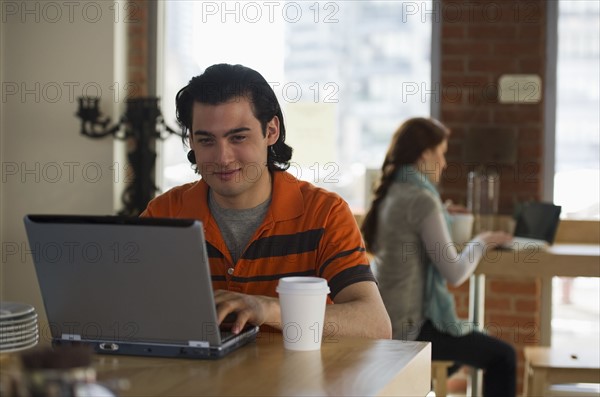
(51, 53)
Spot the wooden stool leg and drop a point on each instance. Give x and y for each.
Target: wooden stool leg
(538, 383)
(527, 379)
(440, 381)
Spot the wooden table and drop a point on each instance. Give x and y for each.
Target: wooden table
(552, 365)
(566, 260)
(343, 367)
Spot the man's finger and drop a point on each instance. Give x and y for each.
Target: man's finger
(240, 322)
(226, 307)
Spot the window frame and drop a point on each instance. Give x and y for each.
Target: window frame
(550, 101)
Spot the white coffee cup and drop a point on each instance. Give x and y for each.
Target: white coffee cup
(461, 228)
(302, 301)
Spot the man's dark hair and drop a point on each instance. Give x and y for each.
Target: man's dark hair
(223, 82)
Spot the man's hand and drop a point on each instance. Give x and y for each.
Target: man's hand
(253, 309)
(358, 311)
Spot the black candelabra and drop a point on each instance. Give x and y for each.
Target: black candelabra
(141, 126)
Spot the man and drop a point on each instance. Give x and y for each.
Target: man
(260, 222)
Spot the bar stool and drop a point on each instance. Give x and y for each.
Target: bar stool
(554, 365)
(439, 376)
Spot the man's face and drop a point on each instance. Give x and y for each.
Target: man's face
(231, 151)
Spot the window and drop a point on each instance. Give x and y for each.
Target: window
(576, 307)
(344, 73)
(577, 154)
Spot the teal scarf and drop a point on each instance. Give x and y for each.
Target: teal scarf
(439, 302)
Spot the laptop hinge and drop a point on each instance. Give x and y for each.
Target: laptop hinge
(71, 337)
(198, 343)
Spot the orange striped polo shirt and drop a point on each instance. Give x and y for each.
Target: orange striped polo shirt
(307, 231)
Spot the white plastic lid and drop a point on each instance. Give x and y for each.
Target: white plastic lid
(303, 285)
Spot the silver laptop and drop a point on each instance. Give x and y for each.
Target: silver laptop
(135, 286)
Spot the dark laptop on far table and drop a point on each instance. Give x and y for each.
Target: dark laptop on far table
(536, 226)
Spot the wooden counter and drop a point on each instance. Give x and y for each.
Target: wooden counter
(566, 260)
(563, 260)
(343, 367)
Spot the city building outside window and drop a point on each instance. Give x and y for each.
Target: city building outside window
(576, 303)
(577, 141)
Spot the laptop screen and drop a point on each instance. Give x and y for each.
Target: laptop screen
(125, 279)
(538, 220)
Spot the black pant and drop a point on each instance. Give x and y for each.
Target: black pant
(496, 358)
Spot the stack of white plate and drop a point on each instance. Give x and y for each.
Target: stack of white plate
(18, 327)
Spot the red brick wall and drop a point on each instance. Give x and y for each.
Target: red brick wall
(137, 47)
(482, 40)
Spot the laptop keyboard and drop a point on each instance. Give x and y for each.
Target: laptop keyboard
(226, 335)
